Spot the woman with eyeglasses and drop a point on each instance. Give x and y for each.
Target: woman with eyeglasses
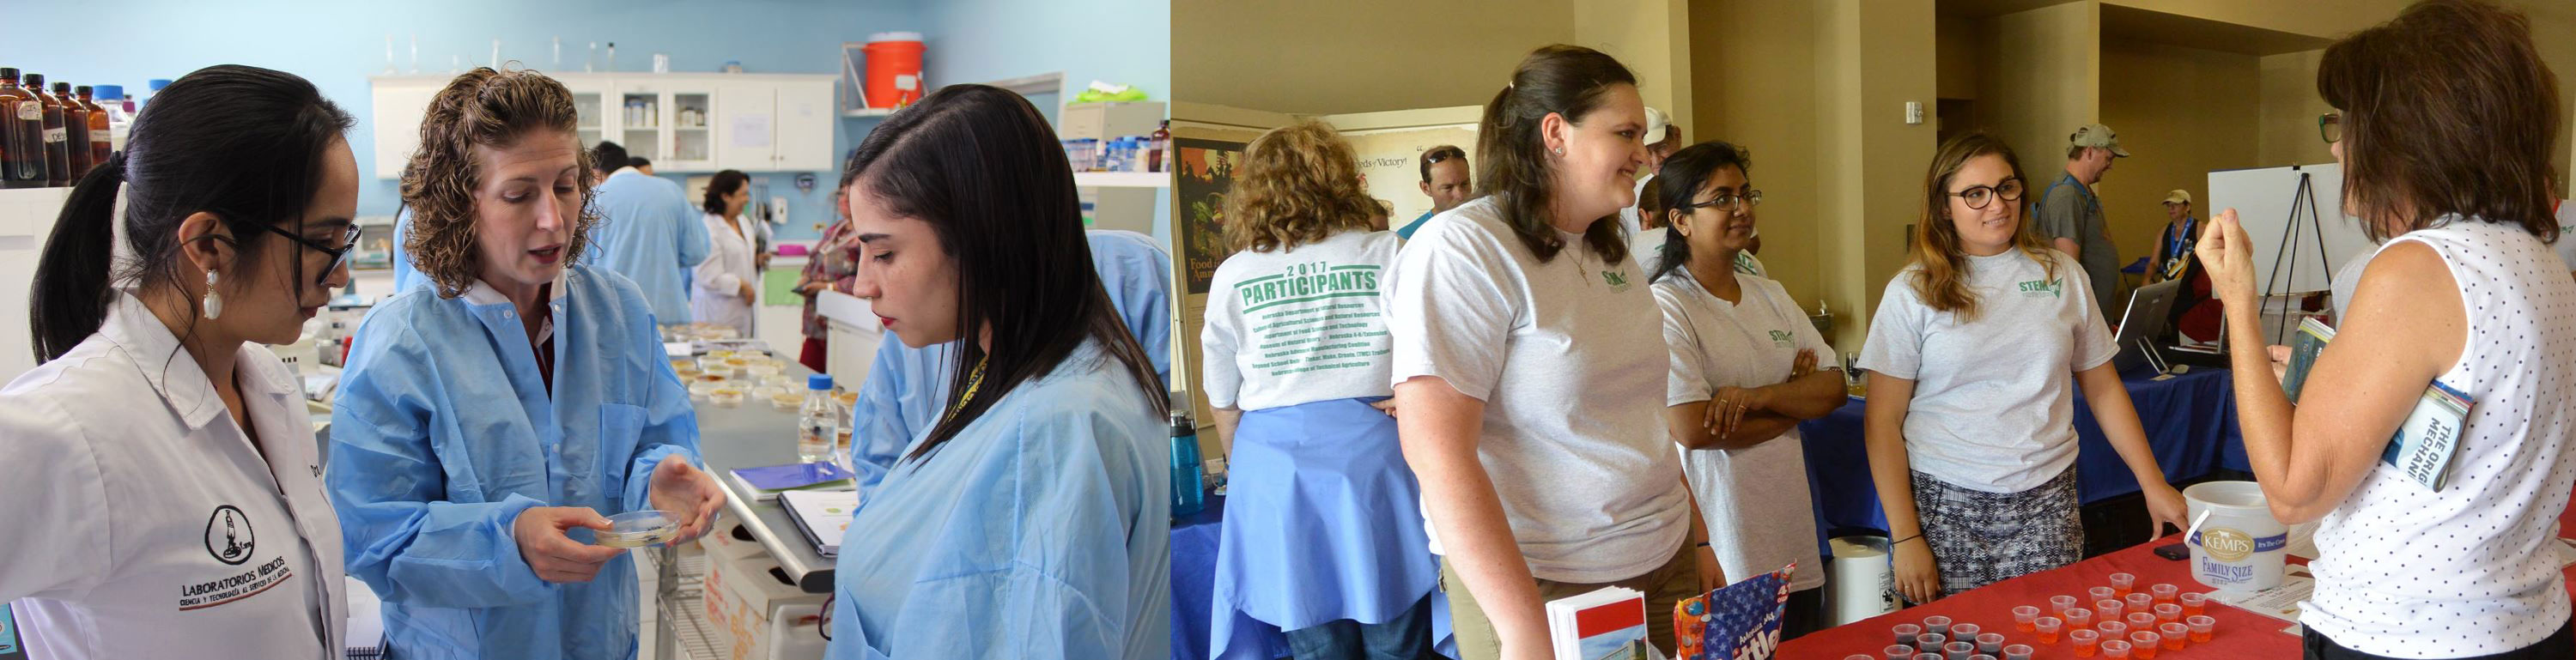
(1974, 357)
(2454, 182)
(165, 494)
(1743, 375)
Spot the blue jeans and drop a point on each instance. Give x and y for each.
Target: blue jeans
(1406, 637)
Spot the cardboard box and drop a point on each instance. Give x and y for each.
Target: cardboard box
(744, 596)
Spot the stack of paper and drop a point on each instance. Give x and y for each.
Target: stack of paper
(823, 515)
(1607, 624)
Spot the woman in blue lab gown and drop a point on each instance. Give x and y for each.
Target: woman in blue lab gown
(488, 420)
(1032, 519)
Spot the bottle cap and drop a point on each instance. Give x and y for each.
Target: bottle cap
(818, 382)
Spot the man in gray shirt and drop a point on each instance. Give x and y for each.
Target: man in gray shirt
(2070, 215)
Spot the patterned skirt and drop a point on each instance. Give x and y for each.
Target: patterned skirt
(1980, 538)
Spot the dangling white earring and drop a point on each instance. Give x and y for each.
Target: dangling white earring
(214, 301)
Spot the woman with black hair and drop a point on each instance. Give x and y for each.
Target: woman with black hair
(726, 283)
(1031, 521)
(1743, 358)
(166, 496)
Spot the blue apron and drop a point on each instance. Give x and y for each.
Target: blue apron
(1323, 521)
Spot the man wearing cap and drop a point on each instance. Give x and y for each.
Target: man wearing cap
(2182, 231)
(2071, 216)
(1662, 138)
(1444, 180)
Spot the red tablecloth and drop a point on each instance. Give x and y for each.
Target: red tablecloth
(2239, 634)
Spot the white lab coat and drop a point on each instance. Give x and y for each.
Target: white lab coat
(717, 299)
(142, 523)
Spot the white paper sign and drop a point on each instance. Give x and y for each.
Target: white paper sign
(750, 131)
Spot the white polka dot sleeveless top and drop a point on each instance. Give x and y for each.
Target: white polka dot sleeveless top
(2472, 570)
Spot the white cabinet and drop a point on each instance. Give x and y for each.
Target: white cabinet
(782, 126)
(683, 122)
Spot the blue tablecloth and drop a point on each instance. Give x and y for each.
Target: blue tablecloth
(2190, 422)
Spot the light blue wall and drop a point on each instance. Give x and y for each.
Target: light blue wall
(338, 45)
(1116, 41)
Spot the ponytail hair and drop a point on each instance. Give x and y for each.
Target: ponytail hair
(70, 297)
(242, 143)
(1511, 157)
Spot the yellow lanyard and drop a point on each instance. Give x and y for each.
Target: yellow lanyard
(974, 381)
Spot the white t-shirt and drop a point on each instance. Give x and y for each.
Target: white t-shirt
(1568, 359)
(2407, 572)
(1301, 325)
(1994, 399)
(1631, 219)
(1750, 497)
(1647, 247)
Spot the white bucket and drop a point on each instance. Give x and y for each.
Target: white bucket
(2240, 547)
(1863, 579)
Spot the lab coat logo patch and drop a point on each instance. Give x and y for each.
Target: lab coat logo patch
(228, 536)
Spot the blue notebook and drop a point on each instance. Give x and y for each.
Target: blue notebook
(801, 476)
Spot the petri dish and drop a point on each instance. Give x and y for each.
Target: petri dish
(636, 529)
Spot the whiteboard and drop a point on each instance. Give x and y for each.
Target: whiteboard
(2262, 198)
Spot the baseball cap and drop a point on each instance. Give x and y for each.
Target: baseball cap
(2178, 197)
(1655, 125)
(2092, 135)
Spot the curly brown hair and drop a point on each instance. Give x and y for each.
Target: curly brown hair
(1299, 184)
(480, 108)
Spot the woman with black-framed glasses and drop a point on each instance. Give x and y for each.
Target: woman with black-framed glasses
(1974, 359)
(169, 493)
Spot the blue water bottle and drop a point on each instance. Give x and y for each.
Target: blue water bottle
(1189, 495)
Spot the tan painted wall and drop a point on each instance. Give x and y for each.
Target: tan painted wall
(2182, 112)
(1955, 47)
(2287, 130)
(1870, 63)
(1651, 37)
(2039, 74)
(1341, 56)
(1754, 84)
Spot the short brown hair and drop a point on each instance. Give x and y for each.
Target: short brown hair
(1299, 184)
(484, 108)
(2446, 110)
(1440, 154)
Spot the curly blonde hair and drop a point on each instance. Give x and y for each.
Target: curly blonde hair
(1299, 184)
(485, 108)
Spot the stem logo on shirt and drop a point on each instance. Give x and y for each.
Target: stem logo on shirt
(2054, 287)
(228, 536)
(1618, 280)
(1781, 338)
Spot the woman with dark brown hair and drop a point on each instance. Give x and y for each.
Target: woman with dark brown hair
(1529, 368)
(1973, 361)
(488, 423)
(1323, 532)
(2447, 119)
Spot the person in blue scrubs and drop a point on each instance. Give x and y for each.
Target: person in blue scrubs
(1032, 520)
(489, 420)
(905, 387)
(648, 231)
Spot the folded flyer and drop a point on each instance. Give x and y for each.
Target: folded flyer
(2428, 440)
(1606, 624)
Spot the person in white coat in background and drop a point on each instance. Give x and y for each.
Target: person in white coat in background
(164, 491)
(728, 281)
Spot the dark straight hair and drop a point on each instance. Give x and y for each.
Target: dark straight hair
(608, 157)
(980, 165)
(722, 184)
(243, 143)
(2447, 110)
(1511, 156)
(1678, 184)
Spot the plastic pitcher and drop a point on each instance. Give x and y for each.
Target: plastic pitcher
(2241, 546)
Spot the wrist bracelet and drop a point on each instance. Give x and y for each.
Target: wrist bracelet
(1909, 538)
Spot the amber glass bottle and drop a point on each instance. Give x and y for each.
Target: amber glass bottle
(22, 134)
(75, 130)
(58, 157)
(102, 140)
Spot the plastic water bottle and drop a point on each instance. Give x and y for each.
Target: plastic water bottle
(818, 421)
(1189, 496)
